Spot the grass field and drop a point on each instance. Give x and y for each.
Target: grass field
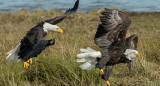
(56, 66)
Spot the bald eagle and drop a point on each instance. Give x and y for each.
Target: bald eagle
(111, 39)
(33, 43)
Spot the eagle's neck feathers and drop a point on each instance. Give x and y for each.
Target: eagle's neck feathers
(49, 27)
(131, 54)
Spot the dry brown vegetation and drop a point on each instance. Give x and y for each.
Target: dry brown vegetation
(57, 64)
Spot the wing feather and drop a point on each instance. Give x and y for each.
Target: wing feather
(67, 13)
(32, 38)
(131, 42)
(36, 50)
(113, 29)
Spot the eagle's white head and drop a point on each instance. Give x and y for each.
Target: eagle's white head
(131, 54)
(49, 27)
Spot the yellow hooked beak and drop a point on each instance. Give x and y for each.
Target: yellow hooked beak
(60, 30)
(138, 55)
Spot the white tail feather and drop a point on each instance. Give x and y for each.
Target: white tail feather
(13, 54)
(87, 50)
(19, 60)
(14, 59)
(84, 50)
(85, 65)
(82, 60)
(88, 65)
(82, 55)
(89, 56)
(90, 49)
(92, 66)
(10, 51)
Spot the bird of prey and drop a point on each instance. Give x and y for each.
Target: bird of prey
(33, 43)
(111, 39)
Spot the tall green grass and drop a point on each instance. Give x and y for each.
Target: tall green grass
(56, 66)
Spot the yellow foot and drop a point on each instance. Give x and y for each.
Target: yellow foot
(26, 64)
(107, 83)
(29, 61)
(101, 72)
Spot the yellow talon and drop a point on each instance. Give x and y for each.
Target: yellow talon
(26, 64)
(101, 72)
(107, 83)
(29, 61)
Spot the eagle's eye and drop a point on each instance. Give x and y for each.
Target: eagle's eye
(134, 52)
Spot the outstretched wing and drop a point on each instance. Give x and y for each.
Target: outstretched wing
(67, 13)
(131, 42)
(113, 29)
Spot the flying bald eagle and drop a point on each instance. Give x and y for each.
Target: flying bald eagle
(33, 43)
(111, 39)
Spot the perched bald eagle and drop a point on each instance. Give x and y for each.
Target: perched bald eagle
(111, 39)
(33, 43)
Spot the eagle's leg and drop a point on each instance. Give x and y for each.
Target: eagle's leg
(107, 83)
(130, 69)
(29, 61)
(101, 72)
(26, 64)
